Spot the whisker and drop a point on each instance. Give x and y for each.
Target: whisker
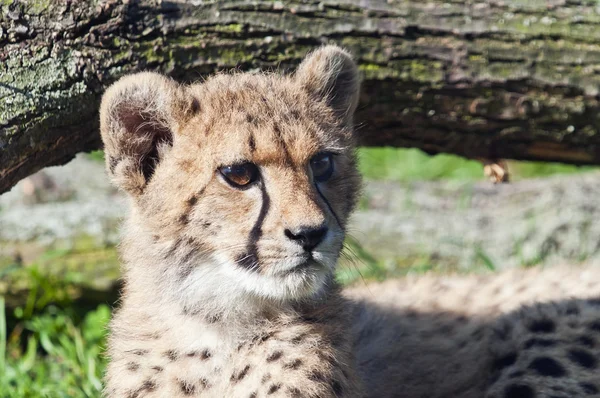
(349, 253)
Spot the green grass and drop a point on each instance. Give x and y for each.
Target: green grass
(55, 353)
(399, 164)
(53, 319)
(50, 346)
(358, 265)
(96, 155)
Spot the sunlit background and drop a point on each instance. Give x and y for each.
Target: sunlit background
(59, 263)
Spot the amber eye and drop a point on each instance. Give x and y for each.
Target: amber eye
(240, 175)
(322, 166)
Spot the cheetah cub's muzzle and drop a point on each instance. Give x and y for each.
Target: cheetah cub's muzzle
(244, 182)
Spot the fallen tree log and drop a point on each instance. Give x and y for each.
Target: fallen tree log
(500, 79)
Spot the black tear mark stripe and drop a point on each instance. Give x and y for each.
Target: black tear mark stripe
(328, 205)
(249, 260)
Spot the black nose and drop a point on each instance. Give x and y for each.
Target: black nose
(307, 237)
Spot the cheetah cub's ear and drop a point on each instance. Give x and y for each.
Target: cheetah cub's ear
(329, 74)
(139, 116)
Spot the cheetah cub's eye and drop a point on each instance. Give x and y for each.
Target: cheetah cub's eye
(322, 166)
(240, 175)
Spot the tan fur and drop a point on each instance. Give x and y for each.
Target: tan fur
(221, 301)
(477, 336)
(218, 300)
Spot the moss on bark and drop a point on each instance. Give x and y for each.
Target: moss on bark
(514, 79)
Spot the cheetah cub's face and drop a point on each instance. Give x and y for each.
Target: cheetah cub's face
(244, 182)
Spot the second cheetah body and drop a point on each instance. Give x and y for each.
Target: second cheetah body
(531, 333)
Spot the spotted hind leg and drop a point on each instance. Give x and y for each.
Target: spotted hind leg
(549, 350)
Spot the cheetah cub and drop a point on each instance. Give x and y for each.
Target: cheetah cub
(240, 190)
(240, 193)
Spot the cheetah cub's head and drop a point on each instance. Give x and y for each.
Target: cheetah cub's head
(241, 184)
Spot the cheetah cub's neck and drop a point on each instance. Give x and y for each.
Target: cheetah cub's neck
(240, 190)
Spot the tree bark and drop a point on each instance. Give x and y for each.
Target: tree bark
(496, 79)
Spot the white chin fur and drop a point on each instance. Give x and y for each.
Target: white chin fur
(280, 284)
(222, 285)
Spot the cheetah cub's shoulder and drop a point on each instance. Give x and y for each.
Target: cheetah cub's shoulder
(240, 193)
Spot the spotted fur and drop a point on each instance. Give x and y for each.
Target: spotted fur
(518, 334)
(222, 300)
(217, 287)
